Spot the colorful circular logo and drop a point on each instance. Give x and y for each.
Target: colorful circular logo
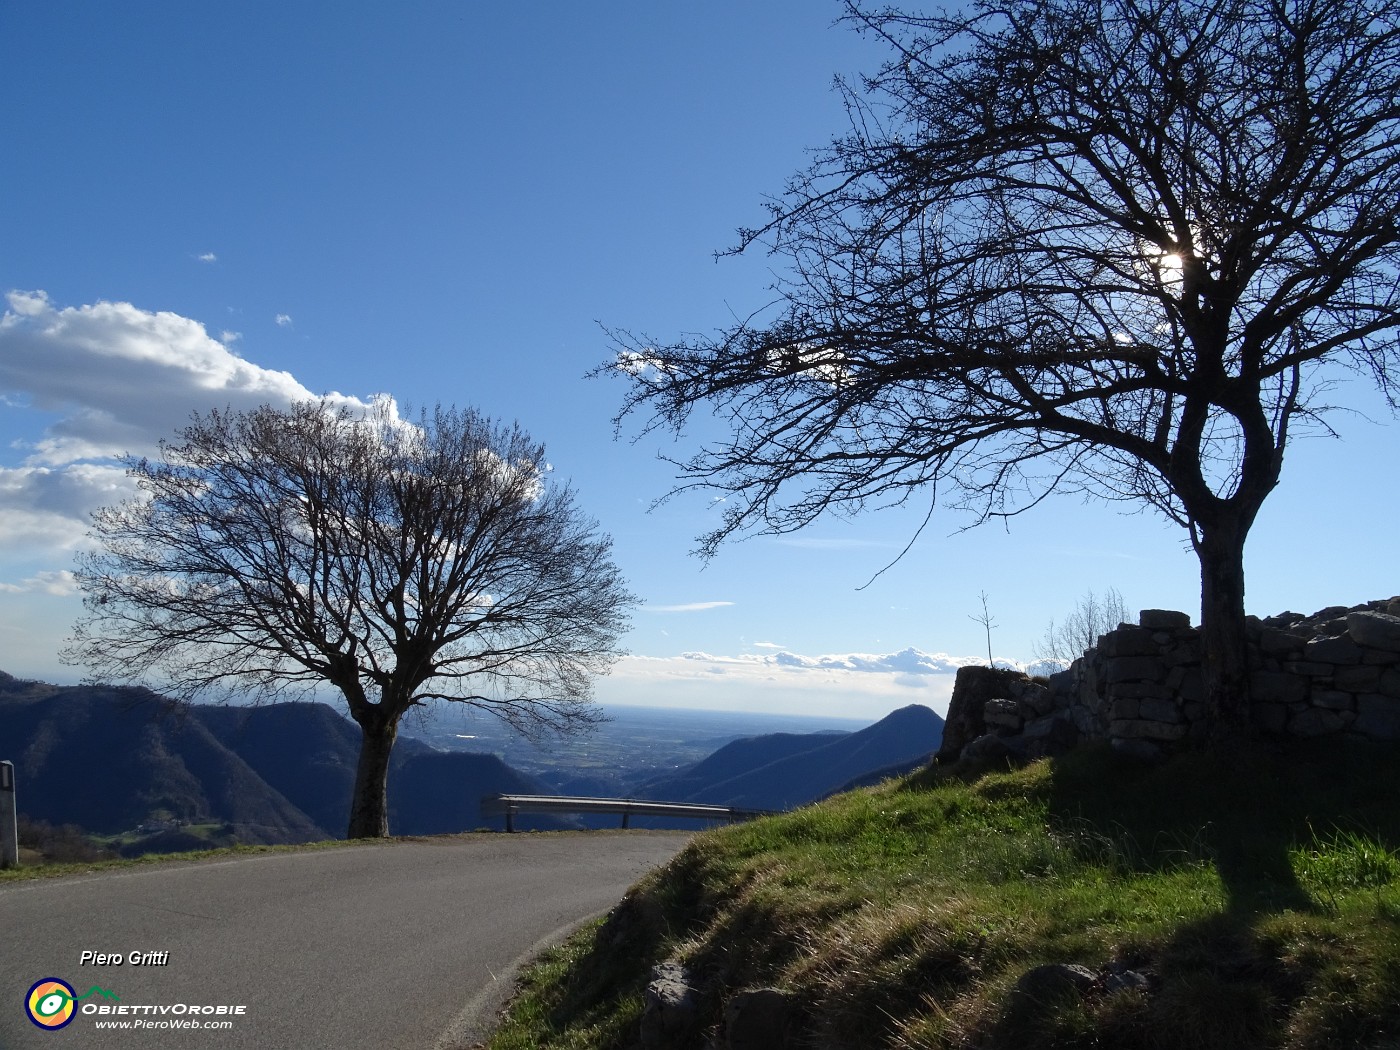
(50, 1003)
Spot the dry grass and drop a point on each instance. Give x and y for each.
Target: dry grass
(1259, 894)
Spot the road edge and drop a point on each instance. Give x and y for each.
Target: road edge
(477, 1020)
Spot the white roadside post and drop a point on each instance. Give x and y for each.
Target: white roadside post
(9, 825)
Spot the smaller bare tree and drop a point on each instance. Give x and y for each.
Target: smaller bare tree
(1091, 617)
(988, 621)
(397, 562)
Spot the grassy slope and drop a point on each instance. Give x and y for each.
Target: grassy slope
(1260, 894)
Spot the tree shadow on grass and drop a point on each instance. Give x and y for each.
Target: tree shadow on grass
(1243, 810)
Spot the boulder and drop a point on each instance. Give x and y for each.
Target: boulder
(1315, 721)
(972, 688)
(1339, 650)
(1276, 687)
(1053, 982)
(1003, 713)
(1375, 630)
(1160, 711)
(987, 748)
(1378, 717)
(1134, 668)
(1051, 735)
(1140, 727)
(1360, 678)
(1137, 748)
(671, 1010)
(1163, 620)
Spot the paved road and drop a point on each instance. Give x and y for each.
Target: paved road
(376, 947)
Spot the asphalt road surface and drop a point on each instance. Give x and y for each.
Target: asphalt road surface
(398, 945)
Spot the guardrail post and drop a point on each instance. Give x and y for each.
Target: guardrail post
(510, 819)
(9, 823)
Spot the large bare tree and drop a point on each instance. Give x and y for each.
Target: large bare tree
(398, 562)
(1108, 247)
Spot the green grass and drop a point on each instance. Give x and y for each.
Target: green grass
(1259, 892)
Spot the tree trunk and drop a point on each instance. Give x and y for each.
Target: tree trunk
(369, 805)
(1224, 656)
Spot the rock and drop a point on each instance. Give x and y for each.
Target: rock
(1051, 735)
(1276, 687)
(1053, 982)
(1362, 678)
(1332, 699)
(1272, 718)
(1037, 700)
(1160, 711)
(1375, 630)
(1128, 641)
(1141, 690)
(1315, 721)
(1339, 650)
(760, 1019)
(1139, 727)
(1142, 750)
(671, 1010)
(1134, 668)
(1378, 717)
(972, 688)
(1163, 620)
(1122, 708)
(1124, 980)
(1005, 713)
(987, 748)
(1277, 642)
(1193, 685)
(1309, 668)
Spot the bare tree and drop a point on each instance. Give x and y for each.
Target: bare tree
(398, 562)
(988, 621)
(1105, 247)
(1091, 617)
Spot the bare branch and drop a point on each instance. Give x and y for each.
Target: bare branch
(397, 562)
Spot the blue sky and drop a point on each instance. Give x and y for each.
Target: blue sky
(226, 204)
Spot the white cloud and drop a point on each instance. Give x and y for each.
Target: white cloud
(768, 645)
(61, 583)
(121, 378)
(46, 509)
(853, 684)
(229, 338)
(687, 607)
(112, 379)
(283, 320)
(207, 257)
(856, 684)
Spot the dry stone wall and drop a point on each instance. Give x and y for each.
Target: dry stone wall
(1142, 688)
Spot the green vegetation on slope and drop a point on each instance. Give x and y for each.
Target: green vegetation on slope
(1258, 894)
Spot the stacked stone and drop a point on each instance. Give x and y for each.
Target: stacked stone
(1337, 670)
(1142, 686)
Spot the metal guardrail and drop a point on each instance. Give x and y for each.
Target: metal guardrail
(509, 805)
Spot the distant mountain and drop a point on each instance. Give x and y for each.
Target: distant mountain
(439, 792)
(306, 751)
(783, 770)
(109, 759)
